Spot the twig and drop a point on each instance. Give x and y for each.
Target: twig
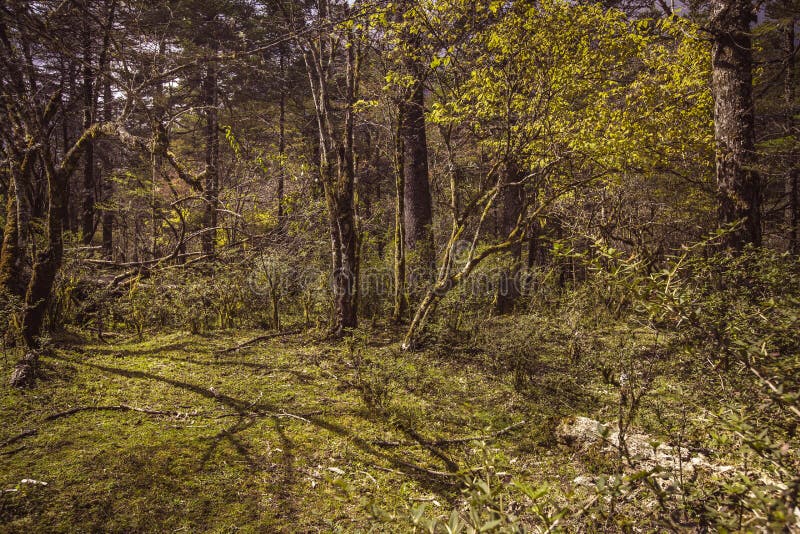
(777, 393)
(18, 437)
(257, 339)
(285, 414)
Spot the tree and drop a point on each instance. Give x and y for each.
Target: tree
(323, 57)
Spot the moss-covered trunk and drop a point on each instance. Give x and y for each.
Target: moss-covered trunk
(12, 280)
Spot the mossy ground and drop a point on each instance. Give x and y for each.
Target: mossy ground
(277, 436)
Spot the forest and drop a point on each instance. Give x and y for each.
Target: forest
(443, 266)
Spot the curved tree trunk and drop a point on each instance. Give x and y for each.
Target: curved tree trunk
(45, 269)
(48, 260)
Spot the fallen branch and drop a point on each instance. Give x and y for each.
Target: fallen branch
(13, 451)
(118, 407)
(21, 435)
(258, 339)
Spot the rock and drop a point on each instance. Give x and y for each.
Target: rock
(677, 463)
(583, 433)
(24, 372)
(583, 480)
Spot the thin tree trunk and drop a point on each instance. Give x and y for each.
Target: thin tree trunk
(738, 184)
(107, 184)
(337, 167)
(400, 295)
(87, 213)
(210, 191)
(793, 172)
(282, 141)
(107, 220)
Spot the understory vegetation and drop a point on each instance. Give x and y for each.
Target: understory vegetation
(149, 430)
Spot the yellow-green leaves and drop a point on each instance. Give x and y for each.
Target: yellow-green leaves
(553, 77)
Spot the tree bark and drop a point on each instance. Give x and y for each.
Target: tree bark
(418, 235)
(513, 202)
(738, 183)
(107, 216)
(282, 141)
(346, 280)
(48, 261)
(107, 219)
(337, 164)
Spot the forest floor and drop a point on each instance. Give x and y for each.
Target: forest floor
(294, 433)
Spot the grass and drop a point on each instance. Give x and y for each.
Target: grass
(273, 437)
(297, 434)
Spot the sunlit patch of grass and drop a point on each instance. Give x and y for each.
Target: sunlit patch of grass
(272, 437)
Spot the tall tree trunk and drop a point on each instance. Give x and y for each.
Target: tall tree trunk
(512, 200)
(346, 280)
(107, 184)
(345, 275)
(793, 174)
(282, 141)
(87, 213)
(107, 219)
(738, 184)
(211, 186)
(420, 252)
